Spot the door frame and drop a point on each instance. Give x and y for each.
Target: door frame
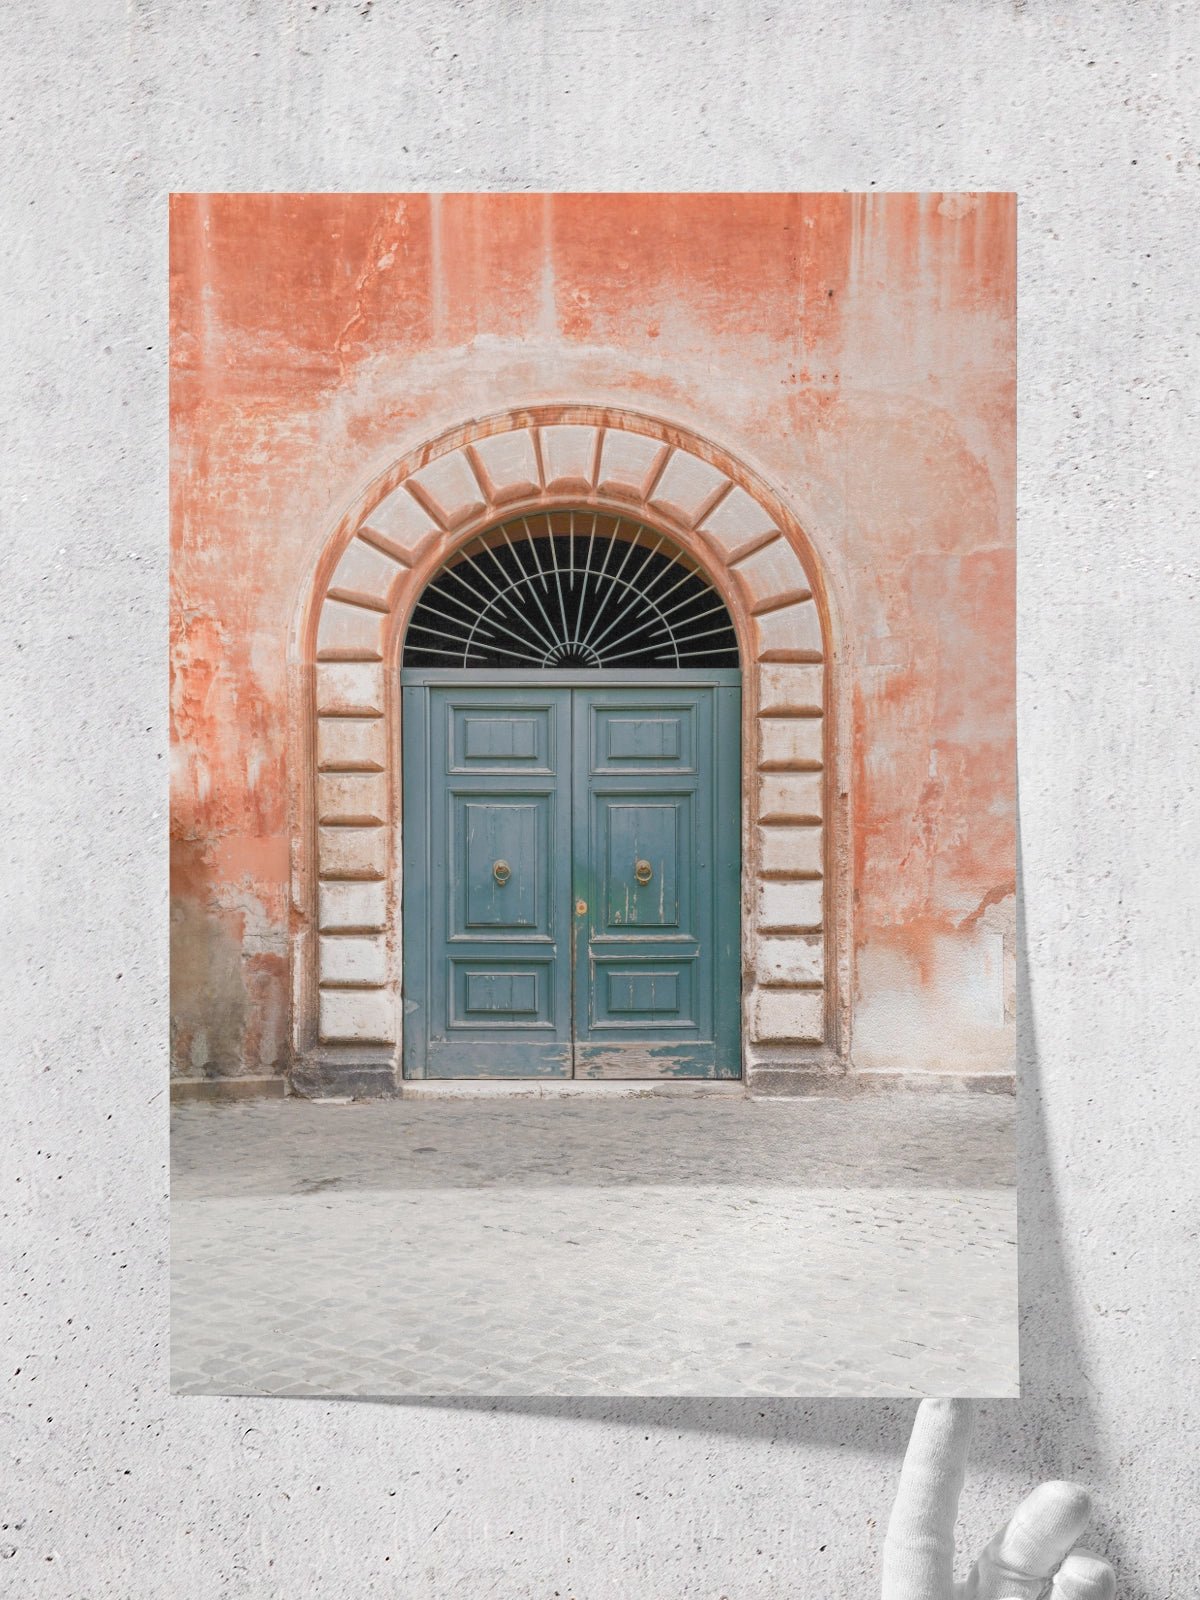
(369, 565)
(726, 797)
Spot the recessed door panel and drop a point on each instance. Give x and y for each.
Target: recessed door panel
(651, 738)
(641, 841)
(485, 995)
(634, 993)
(499, 857)
(497, 737)
(628, 994)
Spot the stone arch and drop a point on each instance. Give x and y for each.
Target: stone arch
(346, 952)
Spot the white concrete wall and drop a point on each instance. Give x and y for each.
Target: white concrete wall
(113, 1488)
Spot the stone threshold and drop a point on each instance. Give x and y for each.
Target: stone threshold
(565, 1088)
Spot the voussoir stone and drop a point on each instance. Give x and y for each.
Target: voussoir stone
(508, 462)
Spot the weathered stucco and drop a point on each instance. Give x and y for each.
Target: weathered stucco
(855, 353)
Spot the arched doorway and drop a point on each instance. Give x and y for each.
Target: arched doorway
(351, 1013)
(571, 710)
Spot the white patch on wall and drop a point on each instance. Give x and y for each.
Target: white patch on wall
(957, 999)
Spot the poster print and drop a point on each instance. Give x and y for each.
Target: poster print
(593, 817)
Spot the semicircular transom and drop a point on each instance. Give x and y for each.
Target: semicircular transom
(580, 589)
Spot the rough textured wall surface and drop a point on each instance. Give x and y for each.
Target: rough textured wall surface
(111, 1487)
(856, 351)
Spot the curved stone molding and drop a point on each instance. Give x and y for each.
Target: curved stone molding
(422, 511)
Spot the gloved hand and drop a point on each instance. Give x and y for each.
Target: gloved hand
(1033, 1557)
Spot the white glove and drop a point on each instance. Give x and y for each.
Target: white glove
(1033, 1557)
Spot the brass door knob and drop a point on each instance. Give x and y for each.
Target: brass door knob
(643, 871)
(581, 908)
(501, 871)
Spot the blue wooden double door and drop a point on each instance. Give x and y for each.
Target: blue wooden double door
(571, 886)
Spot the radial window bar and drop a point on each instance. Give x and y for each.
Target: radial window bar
(570, 589)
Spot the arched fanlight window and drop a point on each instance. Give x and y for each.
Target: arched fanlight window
(570, 589)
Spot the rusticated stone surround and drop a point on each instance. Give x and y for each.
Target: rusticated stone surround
(349, 962)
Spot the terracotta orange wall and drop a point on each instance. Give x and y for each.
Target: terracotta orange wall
(857, 350)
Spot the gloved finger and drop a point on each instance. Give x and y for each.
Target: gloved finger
(1084, 1576)
(1033, 1541)
(918, 1552)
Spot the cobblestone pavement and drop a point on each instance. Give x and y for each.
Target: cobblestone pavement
(578, 1246)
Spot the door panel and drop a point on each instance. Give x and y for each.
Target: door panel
(495, 736)
(501, 994)
(629, 994)
(487, 919)
(652, 989)
(499, 862)
(623, 740)
(525, 802)
(642, 855)
(656, 952)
